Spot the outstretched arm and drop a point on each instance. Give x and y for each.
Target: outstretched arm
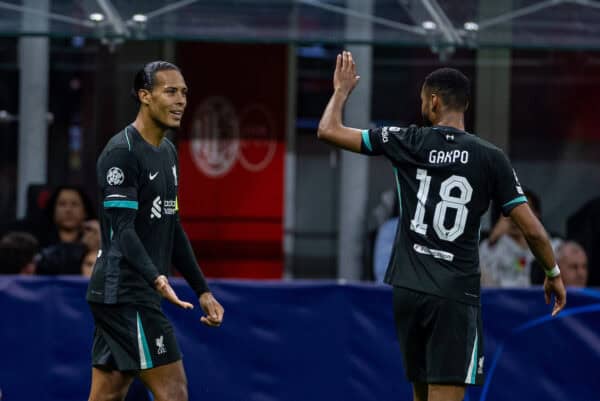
(542, 249)
(331, 128)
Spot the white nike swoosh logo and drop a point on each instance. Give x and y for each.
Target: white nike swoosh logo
(116, 196)
(153, 176)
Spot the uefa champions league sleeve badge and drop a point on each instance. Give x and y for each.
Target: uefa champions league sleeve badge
(115, 176)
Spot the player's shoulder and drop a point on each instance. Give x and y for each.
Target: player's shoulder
(170, 146)
(485, 144)
(121, 140)
(411, 133)
(120, 146)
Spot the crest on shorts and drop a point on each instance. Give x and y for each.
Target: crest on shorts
(160, 344)
(115, 176)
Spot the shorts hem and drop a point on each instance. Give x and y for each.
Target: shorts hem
(131, 368)
(445, 380)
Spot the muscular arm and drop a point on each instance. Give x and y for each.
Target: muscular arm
(331, 128)
(535, 234)
(185, 261)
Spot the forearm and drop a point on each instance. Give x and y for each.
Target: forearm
(331, 128)
(332, 116)
(134, 252)
(535, 235)
(185, 261)
(540, 246)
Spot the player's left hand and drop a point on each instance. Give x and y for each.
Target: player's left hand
(555, 286)
(213, 309)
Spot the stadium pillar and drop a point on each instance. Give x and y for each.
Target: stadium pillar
(492, 119)
(290, 163)
(354, 169)
(33, 103)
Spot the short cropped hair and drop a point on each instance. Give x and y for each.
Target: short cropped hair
(17, 249)
(144, 78)
(451, 85)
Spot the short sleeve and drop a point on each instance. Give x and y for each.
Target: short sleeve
(118, 173)
(506, 190)
(397, 144)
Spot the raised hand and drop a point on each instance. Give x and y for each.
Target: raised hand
(344, 77)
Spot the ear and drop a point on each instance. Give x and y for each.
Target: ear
(144, 96)
(435, 100)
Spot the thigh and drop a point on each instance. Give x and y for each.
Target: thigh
(455, 344)
(167, 382)
(109, 385)
(409, 319)
(445, 392)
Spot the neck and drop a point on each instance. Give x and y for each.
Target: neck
(148, 129)
(452, 119)
(68, 235)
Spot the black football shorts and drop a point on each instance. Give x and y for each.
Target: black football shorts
(130, 337)
(441, 339)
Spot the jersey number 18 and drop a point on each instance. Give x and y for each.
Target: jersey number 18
(448, 201)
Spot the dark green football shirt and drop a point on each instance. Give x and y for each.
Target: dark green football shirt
(139, 217)
(446, 179)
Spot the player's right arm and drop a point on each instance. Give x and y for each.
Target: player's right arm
(118, 174)
(507, 192)
(331, 128)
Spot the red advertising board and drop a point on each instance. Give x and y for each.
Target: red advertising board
(231, 156)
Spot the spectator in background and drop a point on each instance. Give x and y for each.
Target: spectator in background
(504, 257)
(382, 252)
(378, 245)
(584, 227)
(67, 210)
(88, 262)
(573, 262)
(91, 234)
(17, 253)
(91, 240)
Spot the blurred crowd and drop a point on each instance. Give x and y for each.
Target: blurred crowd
(504, 256)
(62, 237)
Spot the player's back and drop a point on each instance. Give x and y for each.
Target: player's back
(446, 179)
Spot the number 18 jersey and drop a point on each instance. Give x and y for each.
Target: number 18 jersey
(445, 179)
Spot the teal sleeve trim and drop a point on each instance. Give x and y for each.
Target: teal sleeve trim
(520, 199)
(122, 204)
(367, 140)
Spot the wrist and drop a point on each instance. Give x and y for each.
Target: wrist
(341, 92)
(552, 273)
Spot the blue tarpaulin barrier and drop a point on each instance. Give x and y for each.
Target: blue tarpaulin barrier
(297, 341)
